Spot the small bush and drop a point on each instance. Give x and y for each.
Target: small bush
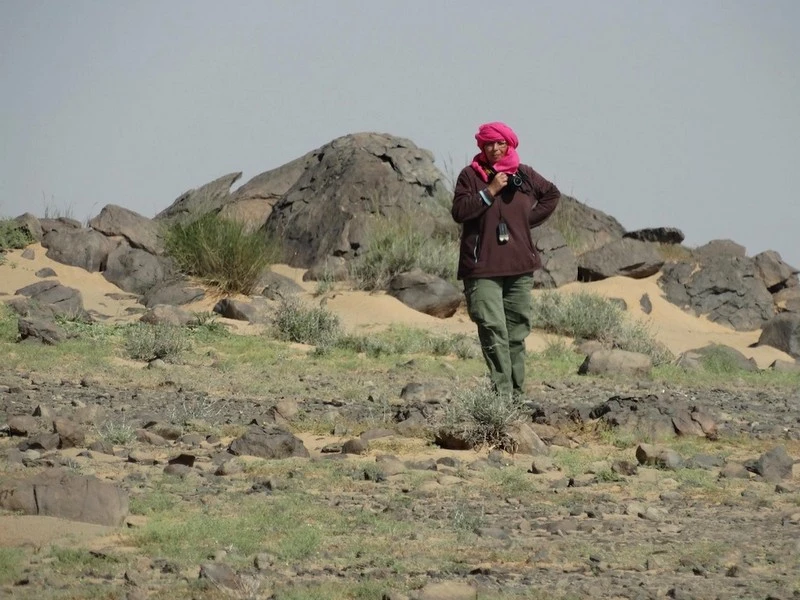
(12, 561)
(118, 433)
(223, 253)
(13, 235)
(587, 316)
(720, 360)
(149, 342)
(8, 324)
(399, 245)
(306, 325)
(483, 416)
(582, 316)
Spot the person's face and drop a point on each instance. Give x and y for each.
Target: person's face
(494, 151)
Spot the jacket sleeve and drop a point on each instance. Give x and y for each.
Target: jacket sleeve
(547, 197)
(469, 201)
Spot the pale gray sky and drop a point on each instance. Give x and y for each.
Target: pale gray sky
(683, 113)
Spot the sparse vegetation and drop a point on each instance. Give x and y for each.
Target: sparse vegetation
(399, 245)
(118, 433)
(322, 524)
(11, 564)
(8, 324)
(482, 416)
(315, 325)
(223, 253)
(587, 316)
(13, 236)
(720, 360)
(150, 342)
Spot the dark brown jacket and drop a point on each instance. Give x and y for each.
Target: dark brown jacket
(481, 255)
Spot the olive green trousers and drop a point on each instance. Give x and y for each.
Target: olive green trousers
(501, 308)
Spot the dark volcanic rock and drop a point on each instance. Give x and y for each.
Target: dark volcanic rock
(83, 248)
(352, 180)
(783, 332)
(139, 231)
(195, 203)
(724, 288)
(268, 442)
(57, 493)
(559, 264)
(624, 257)
(426, 293)
(661, 235)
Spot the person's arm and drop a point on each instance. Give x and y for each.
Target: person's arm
(547, 196)
(469, 200)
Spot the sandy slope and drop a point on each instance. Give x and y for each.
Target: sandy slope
(361, 311)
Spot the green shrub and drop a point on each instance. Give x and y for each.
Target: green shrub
(13, 235)
(117, 433)
(149, 342)
(223, 253)
(400, 339)
(582, 316)
(587, 316)
(399, 245)
(12, 561)
(720, 360)
(8, 324)
(295, 322)
(482, 416)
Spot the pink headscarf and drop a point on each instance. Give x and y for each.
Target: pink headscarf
(496, 132)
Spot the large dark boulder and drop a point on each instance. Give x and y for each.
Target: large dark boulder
(59, 224)
(788, 299)
(173, 292)
(783, 332)
(195, 203)
(775, 273)
(268, 442)
(724, 287)
(84, 248)
(31, 224)
(349, 182)
(58, 493)
(252, 203)
(426, 293)
(660, 235)
(559, 265)
(718, 248)
(58, 299)
(585, 228)
(623, 257)
(139, 231)
(137, 271)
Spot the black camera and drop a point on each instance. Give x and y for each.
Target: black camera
(502, 233)
(515, 180)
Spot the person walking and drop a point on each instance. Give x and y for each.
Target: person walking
(497, 201)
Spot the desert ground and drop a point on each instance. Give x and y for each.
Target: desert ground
(502, 531)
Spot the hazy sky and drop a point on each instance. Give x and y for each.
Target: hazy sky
(682, 113)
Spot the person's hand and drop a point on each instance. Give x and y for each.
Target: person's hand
(498, 183)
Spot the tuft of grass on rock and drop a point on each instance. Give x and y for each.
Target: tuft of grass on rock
(224, 253)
